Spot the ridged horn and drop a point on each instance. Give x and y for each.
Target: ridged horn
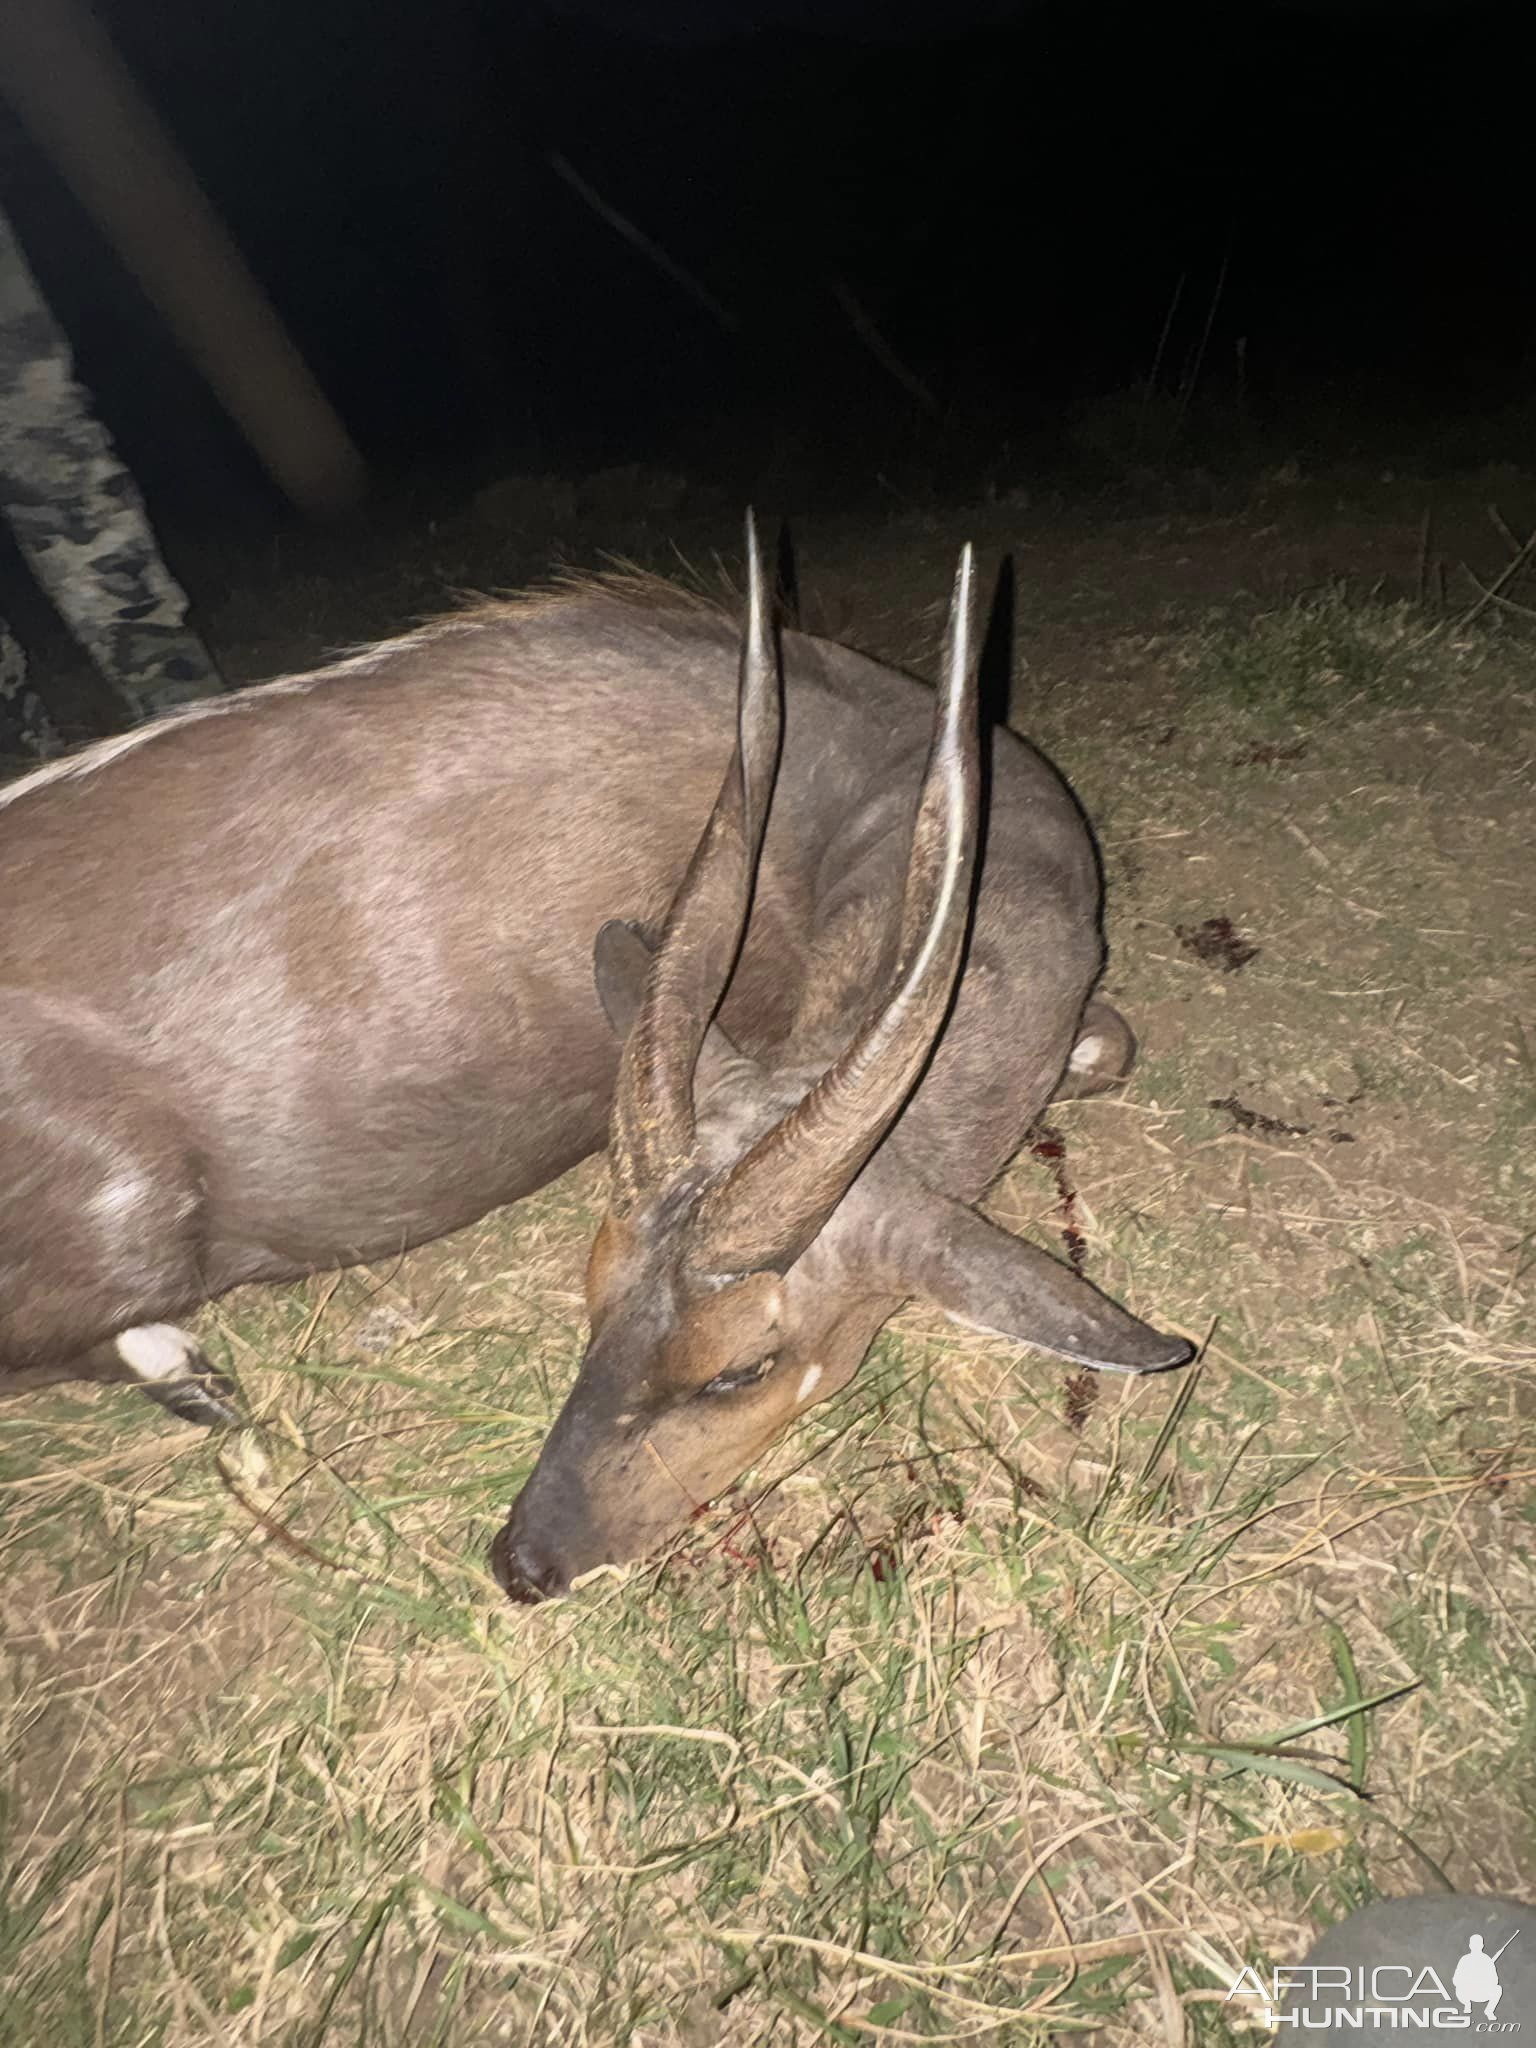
(652, 1132)
(773, 1203)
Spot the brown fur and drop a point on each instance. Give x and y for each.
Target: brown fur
(760, 1232)
(304, 977)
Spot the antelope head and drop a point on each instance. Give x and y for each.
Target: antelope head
(756, 1238)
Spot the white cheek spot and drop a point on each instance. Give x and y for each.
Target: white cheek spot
(810, 1380)
(157, 1351)
(625, 1420)
(1086, 1054)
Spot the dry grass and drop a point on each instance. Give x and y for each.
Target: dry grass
(961, 1722)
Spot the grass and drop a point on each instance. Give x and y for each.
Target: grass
(971, 1716)
(1327, 654)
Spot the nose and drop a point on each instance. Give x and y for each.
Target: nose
(524, 1575)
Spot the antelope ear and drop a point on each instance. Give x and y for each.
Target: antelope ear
(621, 959)
(982, 1277)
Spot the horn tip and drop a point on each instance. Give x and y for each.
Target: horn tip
(961, 630)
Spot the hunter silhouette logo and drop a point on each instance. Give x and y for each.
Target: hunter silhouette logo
(1476, 1978)
(1400, 1996)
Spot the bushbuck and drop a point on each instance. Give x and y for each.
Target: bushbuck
(303, 976)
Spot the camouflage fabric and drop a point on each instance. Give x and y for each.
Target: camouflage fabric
(25, 727)
(78, 518)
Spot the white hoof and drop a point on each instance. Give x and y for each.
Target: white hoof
(159, 1351)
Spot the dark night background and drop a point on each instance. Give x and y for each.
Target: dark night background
(1008, 193)
(1012, 195)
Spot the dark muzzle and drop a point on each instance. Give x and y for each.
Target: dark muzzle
(524, 1575)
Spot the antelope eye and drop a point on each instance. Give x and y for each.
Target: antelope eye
(738, 1376)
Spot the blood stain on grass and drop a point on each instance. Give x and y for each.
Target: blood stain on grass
(1217, 943)
(1080, 1390)
(1047, 1143)
(1256, 1124)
